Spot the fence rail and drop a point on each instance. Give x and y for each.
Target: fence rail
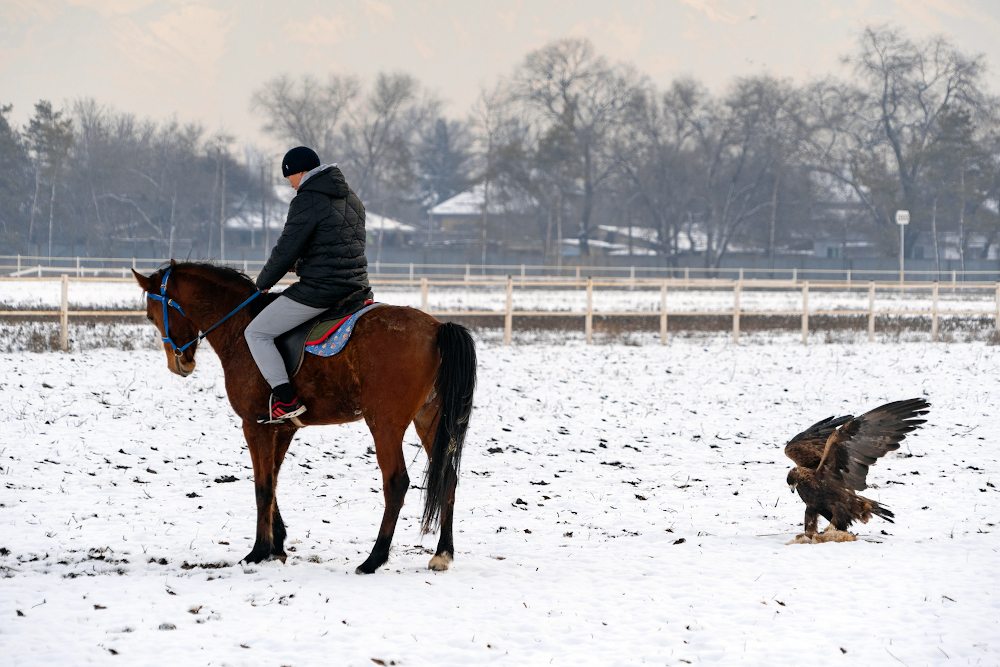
(16, 266)
(664, 286)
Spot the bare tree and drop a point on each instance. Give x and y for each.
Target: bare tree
(567, 82)
(306, 112)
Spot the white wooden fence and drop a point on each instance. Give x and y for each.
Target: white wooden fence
(664, 286)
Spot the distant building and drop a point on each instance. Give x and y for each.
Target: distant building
(853, 246)
(465, 210)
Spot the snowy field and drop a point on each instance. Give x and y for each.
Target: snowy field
(633, 510)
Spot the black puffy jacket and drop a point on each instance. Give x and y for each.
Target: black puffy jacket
(325, 234)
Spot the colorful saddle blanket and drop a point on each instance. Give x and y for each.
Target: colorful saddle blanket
(328, 338)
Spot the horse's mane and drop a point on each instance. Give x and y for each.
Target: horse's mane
(224, 274)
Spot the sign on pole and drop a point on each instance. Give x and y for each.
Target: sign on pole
(902, 217)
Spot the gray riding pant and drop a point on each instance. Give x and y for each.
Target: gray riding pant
(279, 316)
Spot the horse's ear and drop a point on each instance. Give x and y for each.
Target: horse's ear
(143, 281)
(173, 262)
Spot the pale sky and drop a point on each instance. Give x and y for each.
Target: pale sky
(200, 59)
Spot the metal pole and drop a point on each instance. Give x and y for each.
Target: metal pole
(736, 309)
(663, 312)
(508, 319)
(64, 315)
(901, 237)
(871, 311)
(589, 324)
(805, 313)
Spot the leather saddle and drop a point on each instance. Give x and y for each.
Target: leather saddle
(292, 343)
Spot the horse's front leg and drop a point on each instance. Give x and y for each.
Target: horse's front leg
(268, 445)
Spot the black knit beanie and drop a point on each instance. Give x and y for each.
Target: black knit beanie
(298, 160)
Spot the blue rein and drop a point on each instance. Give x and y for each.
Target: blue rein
(162, 298)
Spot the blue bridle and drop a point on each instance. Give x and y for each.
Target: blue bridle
(162, 298)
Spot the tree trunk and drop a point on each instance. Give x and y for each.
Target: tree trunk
(52, 212)
(34, 205)
(774, 216)
(588, 199)
(211, 206)
(559, 236)
(961, 220)
(937, 255)
(222, 218)
(486, 204)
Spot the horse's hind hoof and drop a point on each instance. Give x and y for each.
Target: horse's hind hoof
(440, 562)
(364, 568)
(256, 556)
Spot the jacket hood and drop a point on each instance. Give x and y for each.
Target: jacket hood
(329, 180)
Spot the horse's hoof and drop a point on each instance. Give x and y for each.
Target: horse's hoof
(364, 568)
(259, 556)
(440, 562)
(255, 556)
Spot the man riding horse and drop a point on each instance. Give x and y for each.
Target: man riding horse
(324, 242)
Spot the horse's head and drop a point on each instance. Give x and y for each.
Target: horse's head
(181, 330)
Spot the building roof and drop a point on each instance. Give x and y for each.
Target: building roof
(378, 223)
(470, 203)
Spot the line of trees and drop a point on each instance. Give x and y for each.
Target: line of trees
(568, 142)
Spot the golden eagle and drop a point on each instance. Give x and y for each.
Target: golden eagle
(832, 458)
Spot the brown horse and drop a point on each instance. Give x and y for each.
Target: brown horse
(400, 366)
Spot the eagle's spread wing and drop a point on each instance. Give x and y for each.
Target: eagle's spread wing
(806, 448)
(870, 436)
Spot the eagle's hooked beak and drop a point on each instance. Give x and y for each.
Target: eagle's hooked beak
(791, 487)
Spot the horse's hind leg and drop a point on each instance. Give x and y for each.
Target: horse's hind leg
(395, 482)
(268, 445)
(426, 426)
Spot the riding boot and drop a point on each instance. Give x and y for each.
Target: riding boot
(283, 405)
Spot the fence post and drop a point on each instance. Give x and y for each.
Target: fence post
(423, 294)
(522, 274)
(954, 275)
(848, 277)
(78, 274)
(508, 318)
(736, 309)
(686, 277)
(795, 274)
(805, 312)
(18, 264)
(244, 266)
(663, 313)
(468, 272)
(589, 323)
(871, 311)
(631, 278)
(578, 273)
(934, 311)
(411, 273)
(741, 274)
(64, 315)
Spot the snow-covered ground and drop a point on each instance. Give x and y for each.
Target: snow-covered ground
(636, 512)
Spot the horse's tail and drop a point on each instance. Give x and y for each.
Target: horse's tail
(455, 383)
